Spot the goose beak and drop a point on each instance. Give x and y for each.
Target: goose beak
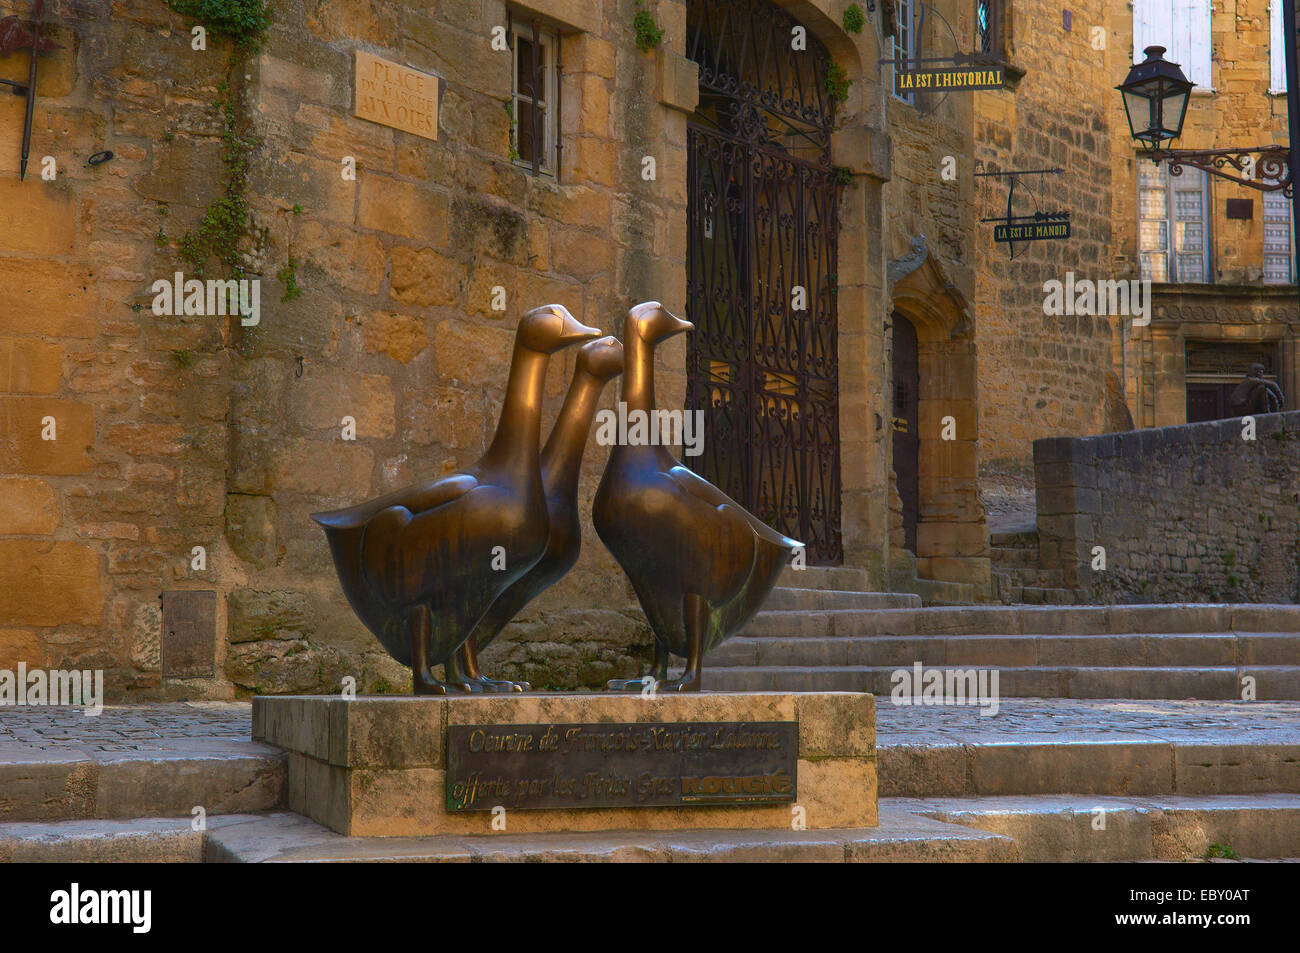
(677, 325)
(575, 331)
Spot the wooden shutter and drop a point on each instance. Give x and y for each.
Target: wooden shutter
(1276, 49)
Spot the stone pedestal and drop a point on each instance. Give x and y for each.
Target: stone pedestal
(378, 766)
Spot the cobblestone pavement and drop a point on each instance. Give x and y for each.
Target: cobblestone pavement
(195, 727)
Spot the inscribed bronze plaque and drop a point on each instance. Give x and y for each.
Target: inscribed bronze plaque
(396, 95)
(645, 764)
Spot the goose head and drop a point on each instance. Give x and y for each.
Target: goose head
(551, 327)
(652, 322)
(601, 359)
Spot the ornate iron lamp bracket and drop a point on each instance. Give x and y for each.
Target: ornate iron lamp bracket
(1272, 163)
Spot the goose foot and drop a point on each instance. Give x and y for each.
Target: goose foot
(503, 686)
(466, 665)
(425, 684)
(642, 683)
(689, 682)
(650, 682)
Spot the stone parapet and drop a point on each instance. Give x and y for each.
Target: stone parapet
(1190, 513)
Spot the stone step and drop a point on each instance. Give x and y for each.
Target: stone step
(902, 836)
(1017, 537)
(816, 600)
(1039, 620)
(842, 578)
(50, 785)
(1272, 682)
(1097, 651)
(1046, 578)
(1028, 828)
(940, 592)
(1046, 596)
(1111, 762)
(1070, 828)
(141, 840)
(1005, 558)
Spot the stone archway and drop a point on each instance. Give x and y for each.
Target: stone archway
(951, 539)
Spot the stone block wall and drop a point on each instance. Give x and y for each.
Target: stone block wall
(113, 442)
(1191, 513)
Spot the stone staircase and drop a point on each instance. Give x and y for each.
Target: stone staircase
(1063, 781)
(1157, 651)
(1018, 576)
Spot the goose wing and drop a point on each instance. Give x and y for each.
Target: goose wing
(702, 489)
(418, 498)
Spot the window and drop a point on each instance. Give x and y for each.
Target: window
(1276, 48)
(535, 101)
(1183, 28)
(903, 42)
(1279, 242)
(1173, 224)
(988, 27)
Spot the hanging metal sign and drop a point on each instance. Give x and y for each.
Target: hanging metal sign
(954, 72)
(1033, 226)
(947, 79)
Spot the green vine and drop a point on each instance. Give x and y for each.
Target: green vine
(288, 276)
(225, 221)
(648, 33)
(837, 82)
(854, 19)
(843, 175)
(243, 21)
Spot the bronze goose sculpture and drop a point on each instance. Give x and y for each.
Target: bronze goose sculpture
(420, 566)
(701, 565)
(598, 363)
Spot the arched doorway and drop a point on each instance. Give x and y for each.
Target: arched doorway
(761, 263)
(906, 425)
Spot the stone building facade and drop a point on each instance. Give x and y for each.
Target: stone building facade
(1235, 303)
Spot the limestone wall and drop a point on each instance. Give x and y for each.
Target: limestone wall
(1192, 513)
(97, 520)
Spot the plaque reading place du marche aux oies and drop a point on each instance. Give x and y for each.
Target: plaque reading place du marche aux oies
(396, 96)
(645, 764)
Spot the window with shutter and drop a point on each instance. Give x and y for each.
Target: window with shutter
(1182, 27)
(1173, 224)
(1276, 50)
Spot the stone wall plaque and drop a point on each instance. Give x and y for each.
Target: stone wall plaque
(396, 95)
(602, 765)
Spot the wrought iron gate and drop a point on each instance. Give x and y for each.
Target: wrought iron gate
(761, 283)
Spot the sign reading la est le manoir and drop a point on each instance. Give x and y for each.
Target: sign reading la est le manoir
(395, 95)
(948, 78)
(1054, 226)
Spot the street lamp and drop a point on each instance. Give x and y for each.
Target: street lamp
(1155, 100)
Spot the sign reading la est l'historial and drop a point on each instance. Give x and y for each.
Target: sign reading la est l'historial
(948, 78)
(396, 95)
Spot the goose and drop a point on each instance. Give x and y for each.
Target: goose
(598, 363)
(700, 563)
(420, 566)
